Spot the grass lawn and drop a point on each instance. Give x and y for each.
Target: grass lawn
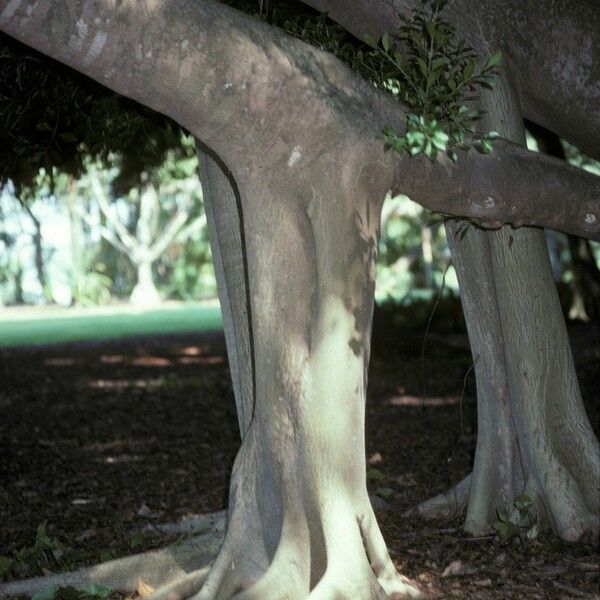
(28, 326)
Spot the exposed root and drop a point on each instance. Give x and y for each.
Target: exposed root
(394, 584)
(193, 524)
(183, 587)
(445, 505)
(155, 568)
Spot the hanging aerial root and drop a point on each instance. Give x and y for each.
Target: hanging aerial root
(156, 568)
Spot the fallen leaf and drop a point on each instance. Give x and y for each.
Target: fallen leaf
(457, 567)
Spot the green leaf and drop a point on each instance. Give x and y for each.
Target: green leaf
(43, 127)
(67, 136)
(504, 529)
(492, 135)
(384, 492)
(385, 41)
(136, 540)
(468, 70)
(6, 564)
(503, 517)
(431, 29)
(494, 60)
(96, 591)
(67, 593)
(375, 475)
(423, 66)
(484, 147)
(438, 63)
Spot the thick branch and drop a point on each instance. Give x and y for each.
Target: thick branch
(170, 231)
(553, 45)
(511, 185)
(106, 233)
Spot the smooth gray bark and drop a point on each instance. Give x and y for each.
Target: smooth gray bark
(225, 229)
(533, 433)
(552, 46)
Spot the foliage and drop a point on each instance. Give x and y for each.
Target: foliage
(47, 552)
(428, 69)
(52, 116)
(422, 64)
(92, 285)
(519, 522)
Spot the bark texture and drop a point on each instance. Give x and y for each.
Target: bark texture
(223, 209)
(534, 436)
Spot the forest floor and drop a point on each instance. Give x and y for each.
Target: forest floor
(99, 440)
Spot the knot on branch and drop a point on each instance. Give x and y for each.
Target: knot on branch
(591, 221)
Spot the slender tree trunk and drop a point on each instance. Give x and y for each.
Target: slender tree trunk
(533, 433)
(585, 285)
(144, 292)
(77, 247)
(224, 219)
(40, 267)
(427, 256)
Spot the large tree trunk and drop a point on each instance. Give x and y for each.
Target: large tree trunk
(300, 520)
(533, 433)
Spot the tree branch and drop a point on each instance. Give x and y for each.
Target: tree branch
(170, 232)
(266, 102)
(107, 234)
(511, 185)
(126, 239)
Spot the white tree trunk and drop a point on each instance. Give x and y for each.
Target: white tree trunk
(145, 293)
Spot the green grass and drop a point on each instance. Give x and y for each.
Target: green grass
(32, 326)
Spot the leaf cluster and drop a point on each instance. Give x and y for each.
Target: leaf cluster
(422, 64)
(519, 523)
(47, 552)
(436, 75)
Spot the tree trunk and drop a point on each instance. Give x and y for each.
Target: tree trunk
(533, 433)
(144, 293)
(224, 219)
(300, 520)
(585, 285)
(77, 246)
(40, 267)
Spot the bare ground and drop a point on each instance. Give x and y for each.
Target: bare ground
(101, 440)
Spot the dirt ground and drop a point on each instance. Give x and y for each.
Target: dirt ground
(98, 440)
